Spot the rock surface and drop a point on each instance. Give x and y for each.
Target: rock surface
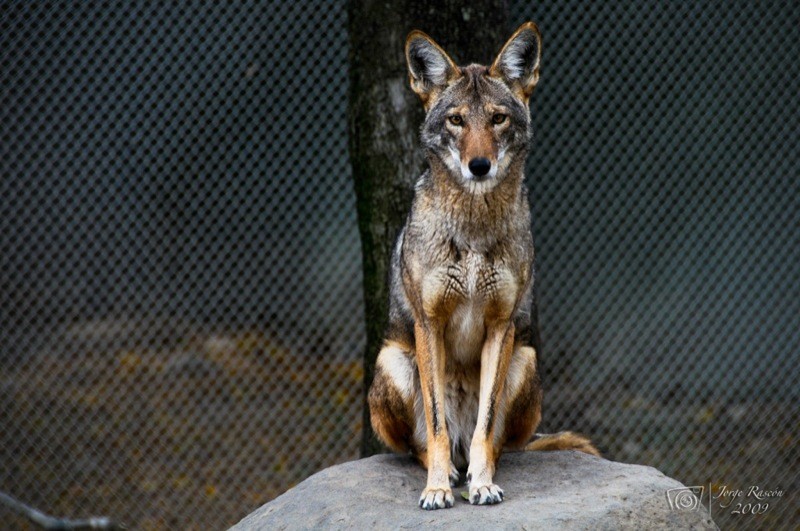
(543, 490)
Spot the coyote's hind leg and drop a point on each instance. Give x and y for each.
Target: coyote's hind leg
(392, 398)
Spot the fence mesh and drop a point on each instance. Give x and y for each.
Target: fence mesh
(181, 301)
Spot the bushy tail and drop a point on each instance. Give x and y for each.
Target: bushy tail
(563, 440)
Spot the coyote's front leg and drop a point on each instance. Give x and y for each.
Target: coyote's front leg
(431, 363)
(484, 450)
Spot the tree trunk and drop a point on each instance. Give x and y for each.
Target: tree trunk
(384, 118)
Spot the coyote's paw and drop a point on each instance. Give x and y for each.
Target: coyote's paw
(455, 477)
(436, 499)
(485, 494)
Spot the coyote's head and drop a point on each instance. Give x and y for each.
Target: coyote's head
(477, 120)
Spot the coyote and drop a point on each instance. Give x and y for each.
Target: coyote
(457, 379)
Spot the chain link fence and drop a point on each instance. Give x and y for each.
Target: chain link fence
(181, 301)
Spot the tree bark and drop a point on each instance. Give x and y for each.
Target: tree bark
(384, 118)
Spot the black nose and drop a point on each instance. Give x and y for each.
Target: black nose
(480, 166)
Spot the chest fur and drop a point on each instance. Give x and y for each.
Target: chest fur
(464, 296)
(465, 331)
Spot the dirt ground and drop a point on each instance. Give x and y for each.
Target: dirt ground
(192, 435)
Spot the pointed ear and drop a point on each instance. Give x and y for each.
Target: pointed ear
(430, 69)
(518, 62)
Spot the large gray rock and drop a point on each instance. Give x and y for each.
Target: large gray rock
(543, 490)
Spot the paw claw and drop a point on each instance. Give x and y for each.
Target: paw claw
(436, 499)
(486, 495)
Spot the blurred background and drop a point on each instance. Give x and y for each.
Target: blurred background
(181, 304)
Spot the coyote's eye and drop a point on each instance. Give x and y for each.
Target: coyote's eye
(456, 119)
(498, 118)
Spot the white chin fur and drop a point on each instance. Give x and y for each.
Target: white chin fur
(480, 187)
